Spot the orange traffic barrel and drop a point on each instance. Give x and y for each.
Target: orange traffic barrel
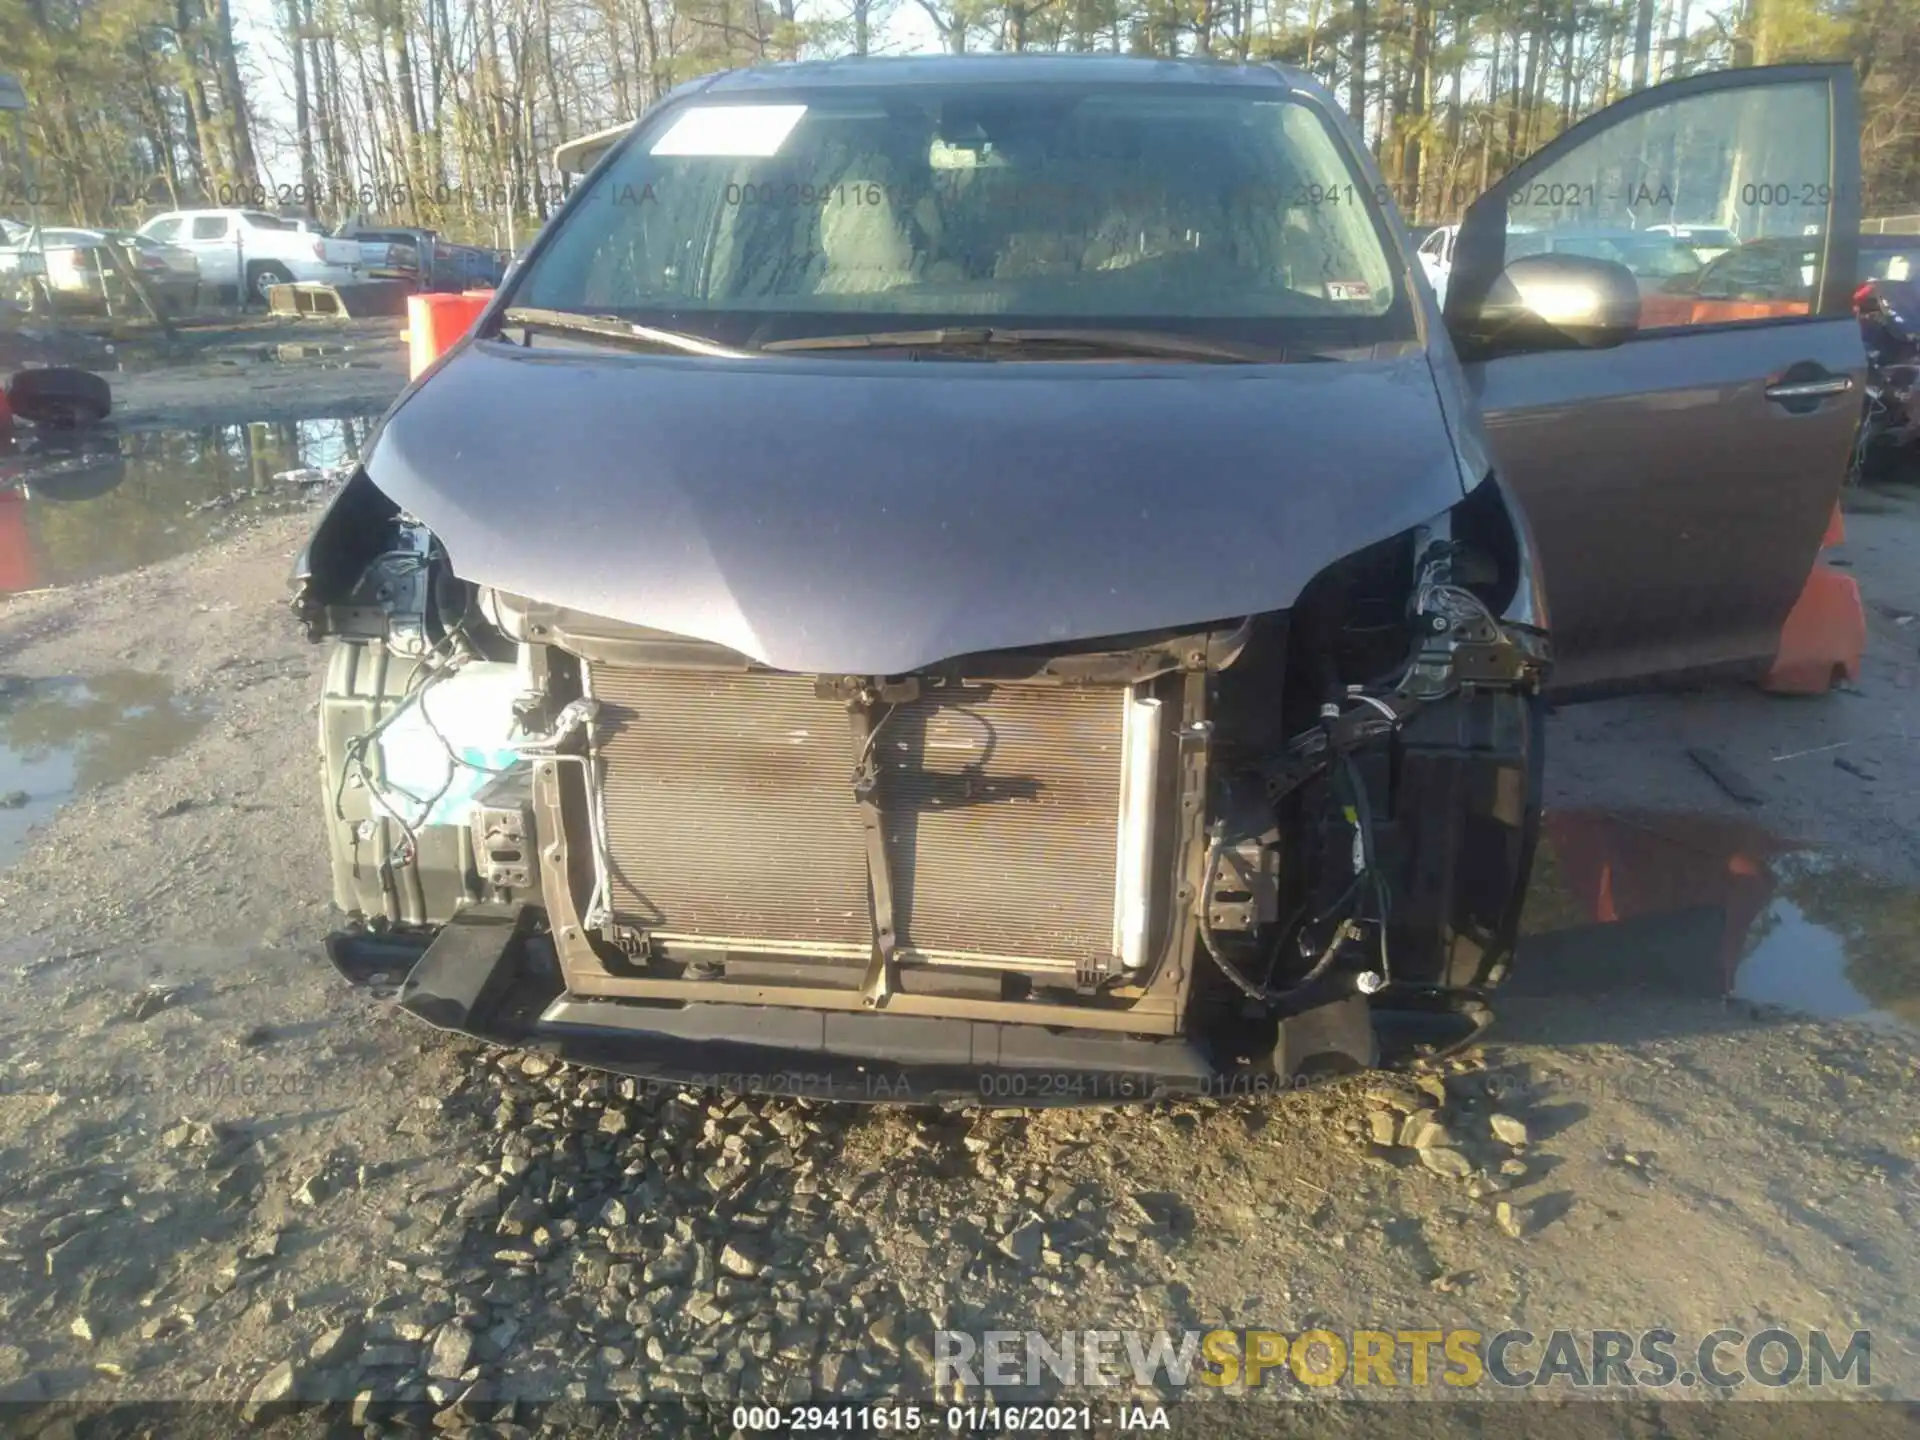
(435, 320)
(1826, 634)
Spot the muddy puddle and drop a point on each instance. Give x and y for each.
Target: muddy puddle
(84, 504)
(1699, 906)
(63, 736)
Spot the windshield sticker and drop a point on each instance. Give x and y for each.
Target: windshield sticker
(715, 131)
(1349, 290)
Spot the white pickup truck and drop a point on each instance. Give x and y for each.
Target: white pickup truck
(253, 250)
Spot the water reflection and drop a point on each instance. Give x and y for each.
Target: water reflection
(1704, 906)
(62, 736)
(83, 504)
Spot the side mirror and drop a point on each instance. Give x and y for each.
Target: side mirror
(1556, 302)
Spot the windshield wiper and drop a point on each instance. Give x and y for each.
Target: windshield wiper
(1144, 343)
(614, 330)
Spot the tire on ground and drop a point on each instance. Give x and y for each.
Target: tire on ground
(58, 395)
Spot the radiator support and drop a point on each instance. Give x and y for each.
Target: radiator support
(1056, 749)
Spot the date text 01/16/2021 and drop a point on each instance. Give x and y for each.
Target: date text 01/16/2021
(986, 1419)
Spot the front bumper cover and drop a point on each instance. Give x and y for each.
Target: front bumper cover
(490, 973)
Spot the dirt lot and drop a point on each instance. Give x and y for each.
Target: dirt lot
(222, 1174)
(230, 369)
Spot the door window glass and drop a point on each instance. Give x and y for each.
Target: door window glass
(1753, 162)
(164, 230)
(209, 227)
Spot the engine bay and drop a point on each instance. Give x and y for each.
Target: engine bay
(1195, 835)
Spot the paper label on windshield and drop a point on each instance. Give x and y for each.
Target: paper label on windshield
(1349, 290)
(730, 131)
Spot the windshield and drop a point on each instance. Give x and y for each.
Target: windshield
(1229, 212)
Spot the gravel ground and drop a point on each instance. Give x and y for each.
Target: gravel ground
(223, 1175)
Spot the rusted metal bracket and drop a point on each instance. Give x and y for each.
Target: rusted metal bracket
(864, 709)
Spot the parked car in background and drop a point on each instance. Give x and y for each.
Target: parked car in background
(1708, 242)
(386, 254)
(1775, 277)
(251, 251)
(1654, 256)
(171, 272)
(714, 695)
(1654, 259)
(438, 264)
(74, 269)
(1434, 251)
(1889, 311)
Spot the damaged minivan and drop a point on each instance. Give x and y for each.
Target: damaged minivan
(993, 578)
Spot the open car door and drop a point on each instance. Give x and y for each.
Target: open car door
(1678, 482)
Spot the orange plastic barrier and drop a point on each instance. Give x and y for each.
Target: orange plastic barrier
(435, 321)
(18, 570)
(1825, 634)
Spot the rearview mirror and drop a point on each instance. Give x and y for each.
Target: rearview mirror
(1555, 302)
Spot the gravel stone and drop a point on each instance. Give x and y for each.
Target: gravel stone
(272, 1396)
(1510, 1219)
(1444, 1161)
(334, 1347)
(1508, 1130)
(452, 1352)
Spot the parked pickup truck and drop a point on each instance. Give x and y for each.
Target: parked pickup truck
(253, 250)
(439, 263)
(387, 254)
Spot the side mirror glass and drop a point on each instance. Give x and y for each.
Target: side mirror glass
(1556, 302)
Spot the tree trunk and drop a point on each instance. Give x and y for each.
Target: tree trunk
(656, 84)
(1420, 87)
(1642, 41)
(302, 109)
(1535, 82)
(1357, 90)
(1569, 85)
(1493, 97)
(233, 94)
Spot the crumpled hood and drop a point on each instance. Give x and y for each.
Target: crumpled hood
(871, 517)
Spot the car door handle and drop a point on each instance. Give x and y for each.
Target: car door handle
(1811, 388)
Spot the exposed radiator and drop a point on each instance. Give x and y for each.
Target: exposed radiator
(731, 822)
